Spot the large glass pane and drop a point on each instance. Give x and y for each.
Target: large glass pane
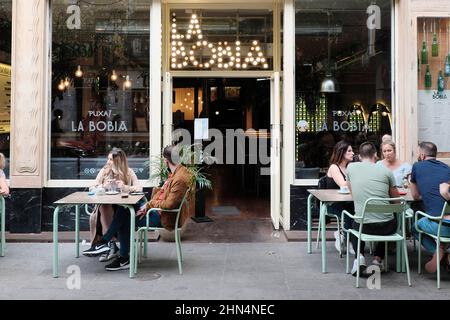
(5, 78)
(100, 77)
(433, 59)
(221, 39)
(343, 77)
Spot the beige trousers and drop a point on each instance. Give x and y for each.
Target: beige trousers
(102, 214)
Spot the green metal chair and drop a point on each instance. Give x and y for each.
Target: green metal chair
(373, 205)
(324, 210)
(142, 233)
(438, 238)
(2, 217)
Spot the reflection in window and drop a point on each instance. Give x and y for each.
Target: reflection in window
(342, 68)
(5, 78)
(221, 40)
(100, 65)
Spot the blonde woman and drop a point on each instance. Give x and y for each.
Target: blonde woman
(400, 169)
(117, 172)
(4, 189)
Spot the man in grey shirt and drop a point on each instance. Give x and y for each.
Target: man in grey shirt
(368, 180)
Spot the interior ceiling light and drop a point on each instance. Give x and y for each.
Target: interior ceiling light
(226, 55)
(78, 73)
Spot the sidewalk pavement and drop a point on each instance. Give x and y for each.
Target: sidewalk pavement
(279, 271)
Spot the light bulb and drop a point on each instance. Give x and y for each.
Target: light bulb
(114, 75)
(255, 42)
(255, 63)
(220, 65)
(210, 45)
(127, 82)
(244, 66)
(194, 16)
(205, 42)
(174, 65)
(61, 85)
(238, 43)
(201, 37)
(66, 82)
(257, 48)
(188, 36)
(79, 73)
(266, 66)
(238, 65)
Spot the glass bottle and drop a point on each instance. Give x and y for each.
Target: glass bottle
(440, 82)
(424, 53)
(428, 78)
(434, 46)
(447, 66)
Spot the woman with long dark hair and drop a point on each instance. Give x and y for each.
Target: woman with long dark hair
(335, 179)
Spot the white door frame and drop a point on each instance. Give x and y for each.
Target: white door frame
(275, 116)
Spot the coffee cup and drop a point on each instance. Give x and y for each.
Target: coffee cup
(344, 189)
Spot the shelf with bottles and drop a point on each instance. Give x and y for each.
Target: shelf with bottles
(433, 36)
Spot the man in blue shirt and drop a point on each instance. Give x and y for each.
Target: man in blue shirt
(426, 176)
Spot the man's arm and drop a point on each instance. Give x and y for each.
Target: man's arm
(444, 189)
(174, 197)
(414, 191)
(393, 192)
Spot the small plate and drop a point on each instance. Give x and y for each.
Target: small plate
(343, 192)
(111, 192)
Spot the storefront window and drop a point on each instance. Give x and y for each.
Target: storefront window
(433, 59)
(100, 78)
(5, 78)
(221, 40)
(343, 78)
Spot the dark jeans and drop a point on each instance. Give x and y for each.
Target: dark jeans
(121, 226)
(380, 229)
(336, 209)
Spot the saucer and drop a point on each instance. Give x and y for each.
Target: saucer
(343, 192)
(111, 192)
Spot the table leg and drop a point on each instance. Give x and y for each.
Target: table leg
(55, 243)
(3, 241)
(77, 231)
(399, 256)
(132, 240)
(309, 222)
(324, 240)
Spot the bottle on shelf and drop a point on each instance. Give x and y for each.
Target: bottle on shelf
(440, 82)
(424, 53)
(447, 66)
(434, 46)
(428, 78)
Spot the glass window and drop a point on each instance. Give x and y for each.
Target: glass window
(100, 78)
(221, 40)
(5, 78)
(433, 58)
(342, 78)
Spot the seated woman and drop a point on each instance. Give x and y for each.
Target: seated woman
(116, 171)
(400, 169)
(336, 178)
(4, 189)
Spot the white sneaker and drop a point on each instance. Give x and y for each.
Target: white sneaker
(380, 265)
(362, 266)
(339, 243)
(343, 244)
(112, 253)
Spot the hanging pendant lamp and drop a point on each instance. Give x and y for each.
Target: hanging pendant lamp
(329, 83)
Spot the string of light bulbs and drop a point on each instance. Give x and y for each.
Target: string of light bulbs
(222, 54)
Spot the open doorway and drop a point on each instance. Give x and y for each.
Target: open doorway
(240, 202)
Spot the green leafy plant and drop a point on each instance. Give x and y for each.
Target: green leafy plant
(193, 158)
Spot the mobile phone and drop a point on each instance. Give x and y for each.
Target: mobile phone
(124, 196)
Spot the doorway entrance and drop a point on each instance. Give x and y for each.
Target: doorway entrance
(241, 114)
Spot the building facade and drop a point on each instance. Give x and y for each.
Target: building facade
(289, 77)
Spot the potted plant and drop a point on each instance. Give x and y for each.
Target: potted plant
(195, 161)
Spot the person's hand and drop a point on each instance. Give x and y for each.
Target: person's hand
(444, 187)
(141, 212)
(120, 184)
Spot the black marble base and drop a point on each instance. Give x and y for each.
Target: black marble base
(31, 210)
(299, 201)
(24, 211)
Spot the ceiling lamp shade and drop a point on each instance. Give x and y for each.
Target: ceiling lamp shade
(329, 84)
